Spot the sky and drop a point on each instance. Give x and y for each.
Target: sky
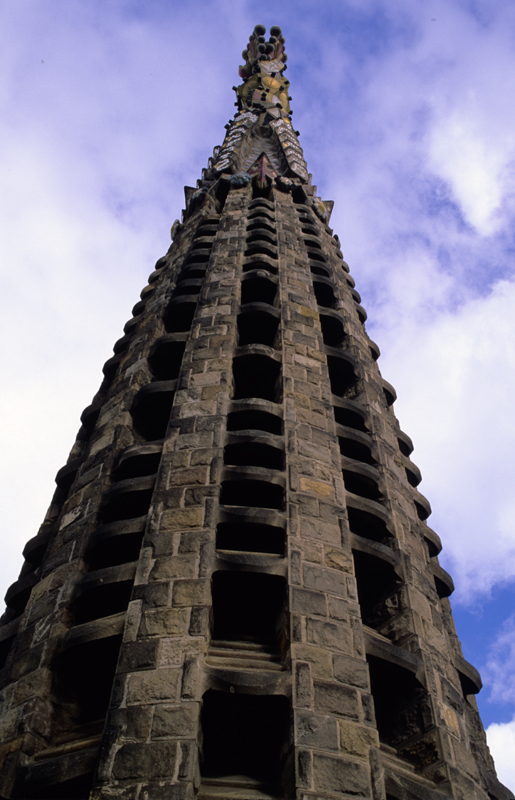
(406, 116)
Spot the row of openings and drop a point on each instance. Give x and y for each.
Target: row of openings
(82, 679)
(19, 593)
(245, 737)
(256, 325)
(261, 597)
(83, 675)
(152, 406)
(261, 237)
(245, 741)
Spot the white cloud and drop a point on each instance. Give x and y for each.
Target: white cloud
(455, 377)
(499, 667)
(501, 741)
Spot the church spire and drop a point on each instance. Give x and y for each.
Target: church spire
(260, 144)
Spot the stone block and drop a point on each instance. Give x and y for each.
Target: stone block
(164, 622)
(145, 760)
(155, 686)
(316, 730)
(334, 699)
(192, 593)
(341, 776)
(36, 684)
(338, 559)
(312, 528)
(138, 655)
(356, 739)
(308, 602)
(303, 686)
(180, 519)
(318, 658)
(176, 721)
(152, 595)
(352, 671)
(332, 635)
(132, 723)
(316, 487)
(324, 580)
(169, 567)
(338, 608)
(189, 476)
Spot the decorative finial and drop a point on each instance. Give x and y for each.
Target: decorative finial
(264, 88)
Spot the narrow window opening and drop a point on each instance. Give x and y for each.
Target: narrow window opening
(200, 256)
(261, 223)
(253, 494)
(378, 586)
(402, 710)
(257, 327)
(258, 290)
(247, 606)
(304, 217)
(83, 678)
(341, 376)
(17, 595)
(221, 192)
(332, 330)
(362, 485)
(5, 649)
(192, 272)
(102, 601)
(264, 192)
(423, 512)
(198, 244)
(251, 265)
(358, 451)
(254, 454)
(262, 203)
(206, 228)
(324, 294)
(254, 420)
(349, 418)
(244, 737)
(322, 271)
(312, 243)
(316, 256)
(250, 537)
(137, 466)
(165, 361)
(187, 287)
(299, 196)
(261, 248)
(151, 414)
(256, 376)
(35, 549)
(114, 551)
(362, 523)
(179, 317)
(413, 478)
(127, 505)
(262, 213)
(261, 236)
(405, 445)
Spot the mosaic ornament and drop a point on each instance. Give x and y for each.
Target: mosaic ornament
(239, 180)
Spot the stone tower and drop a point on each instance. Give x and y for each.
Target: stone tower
(235, 593)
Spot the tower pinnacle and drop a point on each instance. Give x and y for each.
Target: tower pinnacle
(264, 87)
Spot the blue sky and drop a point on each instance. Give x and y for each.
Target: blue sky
(406, 120)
